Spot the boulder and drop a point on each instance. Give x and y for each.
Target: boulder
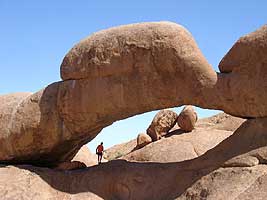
(204, 177)
(143, 140)
(163, 121)
(105, 78)
(244, 74)
(187, 118)
(120, 150)
(85, 156)
(179, 145)
(221, 121)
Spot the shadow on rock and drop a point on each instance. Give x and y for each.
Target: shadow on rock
(120, 179)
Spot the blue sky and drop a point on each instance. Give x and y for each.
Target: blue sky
(35, 36)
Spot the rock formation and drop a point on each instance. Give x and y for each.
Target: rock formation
(85, 156)
(204, 177)
(142, 140)
(178, 145)
(163, 121)
(187, 118)
(70, 165)
(106, 76)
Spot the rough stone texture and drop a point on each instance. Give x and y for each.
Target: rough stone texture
(187, 118)
(31, 129)
(85, 156)
(221, 121)
(244, 70)
(239, 183)
(120, 150)
(31, 183)
(179, 146)
(163, 121)
(198, 178)
(142, 140)
(105, 79)
(70, 165)
(222, 124)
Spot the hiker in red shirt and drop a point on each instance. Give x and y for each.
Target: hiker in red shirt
(99, 152)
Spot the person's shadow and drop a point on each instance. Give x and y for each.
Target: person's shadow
(120, 179)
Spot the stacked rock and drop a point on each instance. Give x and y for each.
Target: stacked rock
(142, 140)
(187, 119)
(163, 121)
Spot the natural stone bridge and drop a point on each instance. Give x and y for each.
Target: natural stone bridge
(124, 71)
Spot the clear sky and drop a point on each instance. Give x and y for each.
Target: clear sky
(35, 36)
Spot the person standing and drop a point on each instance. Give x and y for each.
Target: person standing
(99, 152)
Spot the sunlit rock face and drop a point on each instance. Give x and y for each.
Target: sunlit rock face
(187, 118)
(124, 71)
(163, 121)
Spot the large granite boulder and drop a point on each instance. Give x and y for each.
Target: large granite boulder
(244, 74)
(204, 177)
(85, 156)
(142, 140)
(187, 118)
(178, 146)
(105, 79)
(163, 121)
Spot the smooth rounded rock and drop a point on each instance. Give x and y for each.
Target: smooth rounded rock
(143, 140)
(187, 118)
(163, 121)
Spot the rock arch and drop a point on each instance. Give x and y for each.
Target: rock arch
(124, 71)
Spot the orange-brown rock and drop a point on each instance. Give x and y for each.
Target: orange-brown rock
(202, 177)
(244, 74)
(179, 145)
(187, 118)
(85, 156)
(163, 121)
(142, 140)
(70, 165)
(105, 79)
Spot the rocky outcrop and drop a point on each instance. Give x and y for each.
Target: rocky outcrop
(85, 156)
(202, 177)
(179, 145)
(105, 79)
(221, 121)
(187, 118)
(142, 140)
(70, 165)
(120, 150)
(163, 121)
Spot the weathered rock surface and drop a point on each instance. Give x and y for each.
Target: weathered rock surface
(119, 150)
(187, 118)
(70, 165)
(163, 121)
(198, 178)
(179, 145)
(221, 121)
(244, 71)
(85, 156)
(142, 140)
(185, 146)
(105, 79)
(239, 183)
